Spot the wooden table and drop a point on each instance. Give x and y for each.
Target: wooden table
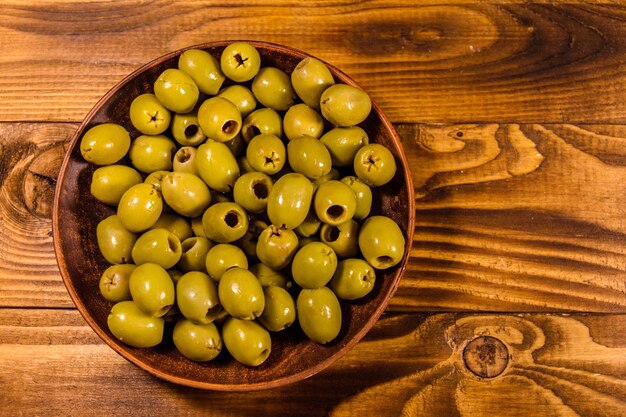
(514, 120)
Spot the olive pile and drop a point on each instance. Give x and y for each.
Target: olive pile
(247, 210)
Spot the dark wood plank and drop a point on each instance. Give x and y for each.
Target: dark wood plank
(465, 62)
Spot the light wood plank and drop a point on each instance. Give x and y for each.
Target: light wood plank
(465, 62)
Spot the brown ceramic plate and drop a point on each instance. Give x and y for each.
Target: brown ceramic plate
(293, 356)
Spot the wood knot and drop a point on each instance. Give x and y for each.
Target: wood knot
(486, 356)
(40, 180)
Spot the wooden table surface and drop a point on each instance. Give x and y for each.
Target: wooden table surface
(513, 117)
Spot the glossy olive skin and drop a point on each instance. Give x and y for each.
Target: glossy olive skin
(300, 120)
(247, 341)
(174, 223)
(268, 277)
(276, 246)
(158, 246)
(219, 119)
(251, 191)
(148, 115)
(334, 202)
(225, 222)
(185, 193)
(332, 175)
(194, 254)
(319, 314)
(374, 165)
(353, 279)
(155, 178)
(152, 289)
(310, 226)
(198, 342)
(280, 309)
(140, 207)
(197, 298)
(272, 88)
(185, 160)
(241, 294)
(309, 79)
(241, 96)
(237, 146)
(186, 130)
(381, 242)
(266, 153)
(309, 157)
(313, 265)
(217, 166)
(203, 68)
(249, 240)
(223, 257)
(114, 240)
(109, 183)
(197, 227)
(240, 61)
(343, 238)
(114, 282)
(152, 153)
(344, 105)
(133, 327)
(289, 200)
(363, 196)
(176, 90)
(343, 144)
(105, 144)
(265, 120)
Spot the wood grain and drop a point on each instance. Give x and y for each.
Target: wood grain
(433, 63)
(411, 363)
(509, 218)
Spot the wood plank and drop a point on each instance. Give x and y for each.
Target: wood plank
(509, 217)
(465, 62)
(412, 363)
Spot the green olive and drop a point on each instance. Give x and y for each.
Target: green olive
(247, 341)
(344, 105)
(140, 207)
(251, 191)
(353, 279)
(343, 144)
(114, 240)
(152, 289)
(240, 61)
(309, 157)
(237, 146)
(197, 227)
(332, 175)
(374, 164)
(105, 144)
(176, 90)
(223, 257)
(313, 265)
(219, 119)
(309, 79)
(244, 165)
(217, 166)
(175, 274)
(266, 153)
(268, 277)
(133, 327)
(158, 246)
(272, 88)
(280, 309)
(186, 130)
(198, 342)
(197, 298)
(109, 183)
(203, 68)
(262, 121)
(363, 196)
(225, 222)
(176, 224)
(289, 200)
(114, 282)
(185, 160)
(185, 193)
(306, 240)
(300, 120)
(241, 294)
(155, 178)
(276, 246)
(152, 153)
(343, 238)
(194, 252)
(249, 240)
(241, 96)
(334, 202)
(148, 115)
(381, 242)
(310, 225)
(319, 314)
